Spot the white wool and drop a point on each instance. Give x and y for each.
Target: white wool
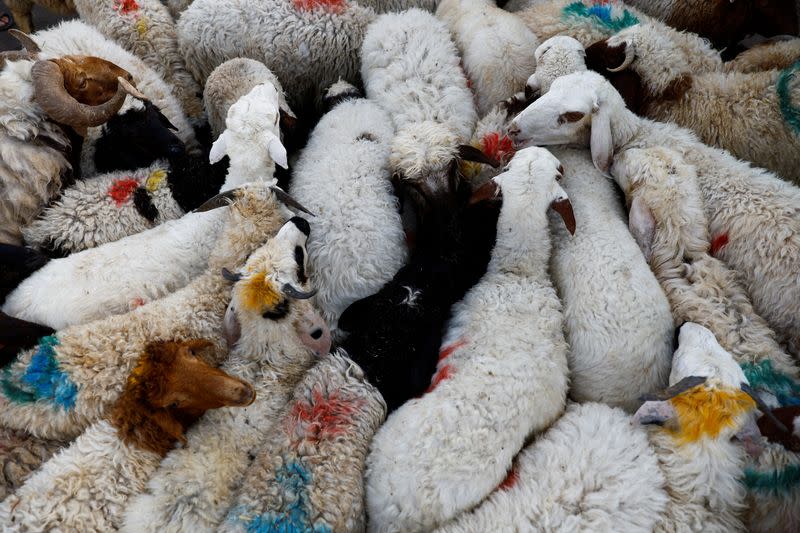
(556, 57)
(357, 242)
(421, 149)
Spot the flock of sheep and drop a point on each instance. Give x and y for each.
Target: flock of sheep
(307, 265)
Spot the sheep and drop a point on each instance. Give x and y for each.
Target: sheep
(395, 334)
(410, 67)
(71, 378)
(115, 205)
(307, 44)
(598, 470)
(496, 48)
(753, 216)
(21, 10)
(357, 242)
(17, 335)
(314, 460)
(654, 80)
(773, 490)
(76, 37)
(279, 337)
(87, 485)
(20, 456)
(724, 22)
(589, 21)
(777, 54)
(620, 336)
(146, 28)
(168, 256)
(429, 461)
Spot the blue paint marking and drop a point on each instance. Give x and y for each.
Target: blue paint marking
(600, 13)
(42, 379)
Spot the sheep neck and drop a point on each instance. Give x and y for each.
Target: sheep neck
(270, 349)
(250, 168)
(625, 127)
(523, 238)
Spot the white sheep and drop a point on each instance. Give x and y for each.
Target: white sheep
(146, 28)
(764, 129)
(166, 257)
(279, 338)
(753, 216)
(86, 486)
(502, 374)
(314, 459)
(410, 67)
(357, 242)
(496, 48)
(307, 44)
(596, 470)
(69, 380)
(620, 332)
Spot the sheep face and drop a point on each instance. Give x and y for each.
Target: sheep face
(90, 80)
(610, 61)
(271, 299)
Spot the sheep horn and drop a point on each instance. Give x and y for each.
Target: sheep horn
(288, 200)
(630, 55)
(467, 152)
(25, 40)
(679, 388)
(133, 91)
(292, 292)
(60, 106)
(230, 276)
(223, 199)
(747, 389)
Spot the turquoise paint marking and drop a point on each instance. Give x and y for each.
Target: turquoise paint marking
(763, 377)
(790, 112)
(776, 481)
(600, 12)
(42, 379)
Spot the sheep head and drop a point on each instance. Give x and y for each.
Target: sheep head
(271, 297)
(90, 80)
(170, 387)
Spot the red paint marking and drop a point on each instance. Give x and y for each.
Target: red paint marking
(323, 417)
(447, 351)
(331, 6)
(126, 6)
(500, 148)
(718, 243)
(137, 302)
(511, 479)
(121, 190)
(445, 372)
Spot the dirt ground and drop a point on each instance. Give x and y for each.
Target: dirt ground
(41, 19)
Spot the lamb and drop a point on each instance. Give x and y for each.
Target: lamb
(753, 216)
(620, 335)
(146, 28)
(276, 335)
(654, 80)
(777, 54)
(114, 205)
(410, 67)
(168, 256)
(724, 22)
(395, 334)
(357, 242)
(598, 470)
(87, 485)
(314, 460)
(71, 378)
(496, 48)
(307, 45)
(589, 21)
(429, 461)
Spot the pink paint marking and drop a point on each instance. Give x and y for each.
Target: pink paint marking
(447, 351)
(497, 147)
(331, 6)
(323, 417)
(511, 479)
(718, 243)
(137, 302)
(121, 190)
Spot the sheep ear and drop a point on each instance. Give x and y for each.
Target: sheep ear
(467, 152)
(488, 191)
(276, 150)
(602, 144)
(288, 121)
(219, 149)
(654, 412)
(642, 226)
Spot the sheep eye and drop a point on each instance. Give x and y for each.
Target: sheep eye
(173, 405)
(280, 311)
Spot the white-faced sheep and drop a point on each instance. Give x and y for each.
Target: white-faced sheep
(277, 336)
(86, 486)
(595, 471)
(589, 21)
(146, 28)
(167, 256)
(653, 77)
(502, 374)
(71, 378)
(310, 474)
(619, 332)
(753, 216)
(307, 44)
(357, 242)
(496, 48)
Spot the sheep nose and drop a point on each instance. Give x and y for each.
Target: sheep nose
(246, 394)
(513, 131)
(316, 334)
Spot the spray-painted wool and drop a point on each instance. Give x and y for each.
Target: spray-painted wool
(602, 13)
(42, 379)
